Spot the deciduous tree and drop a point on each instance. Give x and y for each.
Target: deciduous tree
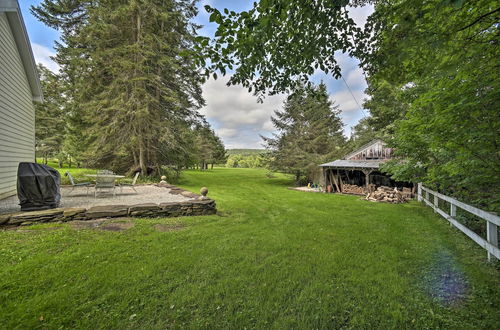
(434, 86)
(277, 44)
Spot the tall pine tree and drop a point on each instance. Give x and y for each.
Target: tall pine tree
(309, 133)
(50, 119)
(132, 78)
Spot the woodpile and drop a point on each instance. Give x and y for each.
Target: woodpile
(407, 193)
(353, 189)
(388, 195)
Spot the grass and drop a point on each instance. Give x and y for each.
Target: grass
(272, 258)
(77, 173)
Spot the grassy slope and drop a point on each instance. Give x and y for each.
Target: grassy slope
(272, 258)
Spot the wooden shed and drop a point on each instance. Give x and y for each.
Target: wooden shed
(19, 87)
(360, 169)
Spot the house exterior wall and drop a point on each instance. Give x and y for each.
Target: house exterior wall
(17, 112)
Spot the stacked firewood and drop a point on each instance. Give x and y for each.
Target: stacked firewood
(407, 193)
(388, 195)
(353, 189)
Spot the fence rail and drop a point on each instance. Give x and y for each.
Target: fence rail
(490, 244)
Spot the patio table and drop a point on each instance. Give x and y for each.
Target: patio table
(110, 176)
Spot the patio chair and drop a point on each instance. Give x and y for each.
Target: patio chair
(131, 185)
(104, 182)
(76, 185)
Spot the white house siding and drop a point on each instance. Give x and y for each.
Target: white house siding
(17, 112)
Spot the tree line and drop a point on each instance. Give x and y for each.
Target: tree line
(245, 160)
(128, 89)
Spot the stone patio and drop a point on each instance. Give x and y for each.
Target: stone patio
(78, 197)
(149, 201)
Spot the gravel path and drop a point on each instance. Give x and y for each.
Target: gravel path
(78, 198)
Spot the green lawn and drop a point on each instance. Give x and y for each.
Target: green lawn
(77, 173)
(272, 258)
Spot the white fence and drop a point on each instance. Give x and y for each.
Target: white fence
(490, 244)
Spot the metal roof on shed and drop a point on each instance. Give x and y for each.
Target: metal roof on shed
(354, 163)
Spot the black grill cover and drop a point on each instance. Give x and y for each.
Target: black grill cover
(38, 187)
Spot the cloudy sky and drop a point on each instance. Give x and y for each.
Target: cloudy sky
(233, 112)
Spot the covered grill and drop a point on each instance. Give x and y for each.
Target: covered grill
(38, 187)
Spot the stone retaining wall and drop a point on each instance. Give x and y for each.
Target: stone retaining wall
(176, 209)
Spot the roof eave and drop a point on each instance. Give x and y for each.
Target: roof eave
(362, 147)
(352, 167)
(16, 23)
(353, 164)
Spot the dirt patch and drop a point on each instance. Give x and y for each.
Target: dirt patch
(166, 228)
(86, 224)
(103, 224)
(445, 281)
(116, 226)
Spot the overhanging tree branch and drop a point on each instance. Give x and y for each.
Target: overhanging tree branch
(477, 20)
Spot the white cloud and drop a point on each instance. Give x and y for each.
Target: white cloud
(360, 14)
(345, 100)
(227, 132)
(42, 55)
(355, 79)
(237, 116)
(268, 126)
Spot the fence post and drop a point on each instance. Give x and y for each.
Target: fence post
(491, 236)
(436, 203)
(453, 211)
(419, 191)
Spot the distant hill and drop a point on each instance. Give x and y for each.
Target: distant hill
(245, 151)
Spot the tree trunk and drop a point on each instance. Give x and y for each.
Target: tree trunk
(142, 152)
(158, 169)
(142, 160)
(135, 158)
